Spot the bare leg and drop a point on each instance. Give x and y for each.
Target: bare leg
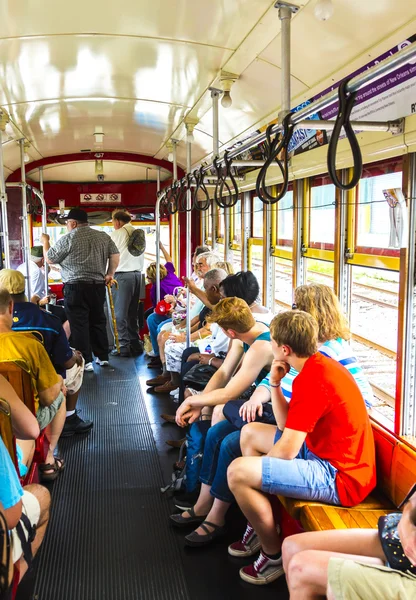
(216, 515)
(257, 439)
(44, 500)
(71, 401)
(308, 572)
(217, 414)
(54, 430)
(67, 328)
(244, 479)
(204, 502)
(161, 340)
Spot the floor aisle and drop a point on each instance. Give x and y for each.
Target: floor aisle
(109, 536)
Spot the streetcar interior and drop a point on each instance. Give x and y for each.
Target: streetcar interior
(169, 111)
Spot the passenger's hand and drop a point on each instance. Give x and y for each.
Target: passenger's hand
(44, 238)
(35, 299)
(177, 337)
(108, 279)
(190, 284)
(184, 413)
(278, 370)
(407, 534)
(44, 300)
(249, 410)
(78, 357)
(170, 299)
(204, 359)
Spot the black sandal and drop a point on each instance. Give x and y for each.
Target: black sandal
(195, 540)
(179, 521)
(56, 467)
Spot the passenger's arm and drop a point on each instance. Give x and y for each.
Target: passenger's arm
(113, 261)
(166, 254)
(24, 423)
(280, 406)
(407, 529)
(55, 255)
(201, 294)
(217, 383)
(254, 405)
(289, 445)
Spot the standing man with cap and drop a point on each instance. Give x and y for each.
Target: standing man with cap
(88, 260)
(131, 245)
(36, 273)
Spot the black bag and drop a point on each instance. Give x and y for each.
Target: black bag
(390, 540)
(198, 376)
(137, 242)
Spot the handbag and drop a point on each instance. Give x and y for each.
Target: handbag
(390, 540)
(199, 375)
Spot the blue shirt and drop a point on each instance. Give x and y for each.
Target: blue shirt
(10, 489)
(47, 327)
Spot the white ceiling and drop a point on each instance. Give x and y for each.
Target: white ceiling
(136, 68)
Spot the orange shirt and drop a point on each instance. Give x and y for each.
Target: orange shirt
(328, 405)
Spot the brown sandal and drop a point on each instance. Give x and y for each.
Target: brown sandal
(56, 467)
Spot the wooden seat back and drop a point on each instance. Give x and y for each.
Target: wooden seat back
(17, 373)
(6, 430)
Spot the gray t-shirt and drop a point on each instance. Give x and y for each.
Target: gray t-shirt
(83, 254)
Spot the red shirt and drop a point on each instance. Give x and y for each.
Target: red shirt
(328, 405)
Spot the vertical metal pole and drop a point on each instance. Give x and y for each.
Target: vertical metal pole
(342, 269)
(408, 424)
(157, 219)
(215, 95)
(298, 273)
(245, 229)
(3, 200)
(188, 243)
(44, 226)
(285, 15)
(25, 221)
(268, 260)
(175, 217)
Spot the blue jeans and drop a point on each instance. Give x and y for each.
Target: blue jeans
(222, 446)
(153, 322)
(306, 477)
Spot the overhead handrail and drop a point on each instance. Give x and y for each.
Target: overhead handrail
(229, 199)
(346, 103)
(171, 197)
(205, 203)
(273, 148)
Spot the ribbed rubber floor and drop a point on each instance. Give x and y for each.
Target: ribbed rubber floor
(108, 537)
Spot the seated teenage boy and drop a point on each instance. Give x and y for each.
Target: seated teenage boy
(67, 362)
(250, 346)
(323, 446)
(49, 399)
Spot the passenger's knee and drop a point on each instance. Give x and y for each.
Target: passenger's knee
(290, 548)
(299, 569)
(235, 473)
(43, 497)
(217, 414)
(248, 435)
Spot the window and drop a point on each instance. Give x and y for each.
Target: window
(319, 271)
(322, 214)
(376, 221)
(257, 218)
(285, 220)
(283, 283)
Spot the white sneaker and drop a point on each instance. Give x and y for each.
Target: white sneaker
(174, 393)
(151, 354)
(102, 363)
(88, 367)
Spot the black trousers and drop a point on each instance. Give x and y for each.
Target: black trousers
(84, 305)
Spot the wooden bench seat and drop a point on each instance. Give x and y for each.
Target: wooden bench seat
(396, 473)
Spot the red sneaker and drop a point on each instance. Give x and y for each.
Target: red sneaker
(263, 571)
(247, 546)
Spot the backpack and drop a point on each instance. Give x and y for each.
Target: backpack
(179, 473)
(137, 242)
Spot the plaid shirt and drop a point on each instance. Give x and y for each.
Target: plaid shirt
(83, 254)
